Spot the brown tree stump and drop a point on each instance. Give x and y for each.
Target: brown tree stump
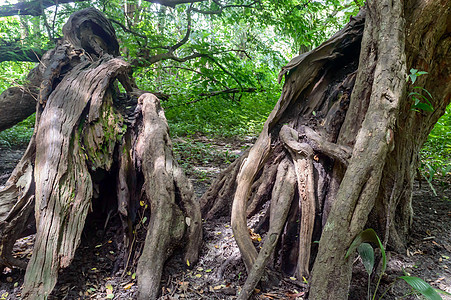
(86, 127)
(344, 112)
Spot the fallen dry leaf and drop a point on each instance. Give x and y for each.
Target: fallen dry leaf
(128, 286)
(255, 237)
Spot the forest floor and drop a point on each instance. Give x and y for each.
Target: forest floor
(97, 274)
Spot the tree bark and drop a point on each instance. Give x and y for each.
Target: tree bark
(356, 195)
(348, 101)
(85, 128)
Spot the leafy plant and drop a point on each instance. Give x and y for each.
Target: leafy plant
(366, 236)
(366, 252)
(436, 152)
(421, 102)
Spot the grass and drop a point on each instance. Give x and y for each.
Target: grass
(221, 116)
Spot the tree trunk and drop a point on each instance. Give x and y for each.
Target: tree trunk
(87, 133)
(348, 102)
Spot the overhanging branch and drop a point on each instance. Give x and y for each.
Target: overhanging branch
(36, 7)
(222, 7)
(129, 30)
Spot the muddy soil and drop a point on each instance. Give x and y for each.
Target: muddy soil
(98, 271)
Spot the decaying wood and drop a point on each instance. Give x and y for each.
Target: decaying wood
(292, 96)
(82, 120)
(16, 207)
(347, 107)
(282, 196)
(63, 182)
(164, 184)
(302, 156)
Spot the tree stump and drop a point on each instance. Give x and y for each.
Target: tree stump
(345, 124)
(86, 128)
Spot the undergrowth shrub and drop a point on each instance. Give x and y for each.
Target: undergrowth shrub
(436, 153)
(220, 116)
(19, 135)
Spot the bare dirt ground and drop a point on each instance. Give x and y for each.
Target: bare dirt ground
(97, 271)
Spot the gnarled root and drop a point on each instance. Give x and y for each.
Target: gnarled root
(282, 196)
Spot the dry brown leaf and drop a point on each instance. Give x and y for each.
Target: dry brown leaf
(128, 286)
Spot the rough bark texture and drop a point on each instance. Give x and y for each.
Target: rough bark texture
(347, 100)
(88, 132)
(322, 87)
(358, 189)
(163, 185)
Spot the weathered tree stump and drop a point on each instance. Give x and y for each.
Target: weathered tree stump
(85, 128)
(345, 125)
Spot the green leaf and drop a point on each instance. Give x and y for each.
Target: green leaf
(366, 253)
(423, 106)
(442, 292)
(422, 287)
(368, 235)
(424, 90)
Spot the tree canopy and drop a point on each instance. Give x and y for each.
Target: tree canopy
(186, 50)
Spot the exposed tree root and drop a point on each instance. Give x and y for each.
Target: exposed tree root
(302, 156)
(282, 196)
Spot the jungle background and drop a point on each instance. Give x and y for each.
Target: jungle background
(214, 66)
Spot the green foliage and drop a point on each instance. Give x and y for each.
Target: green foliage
(366, 253)
(19, 135)
(239, 46)
(369, 235)
(221, 116)
(422, 287)
(436, 153)
(414, 73)
(421, 102)
(14, 73)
